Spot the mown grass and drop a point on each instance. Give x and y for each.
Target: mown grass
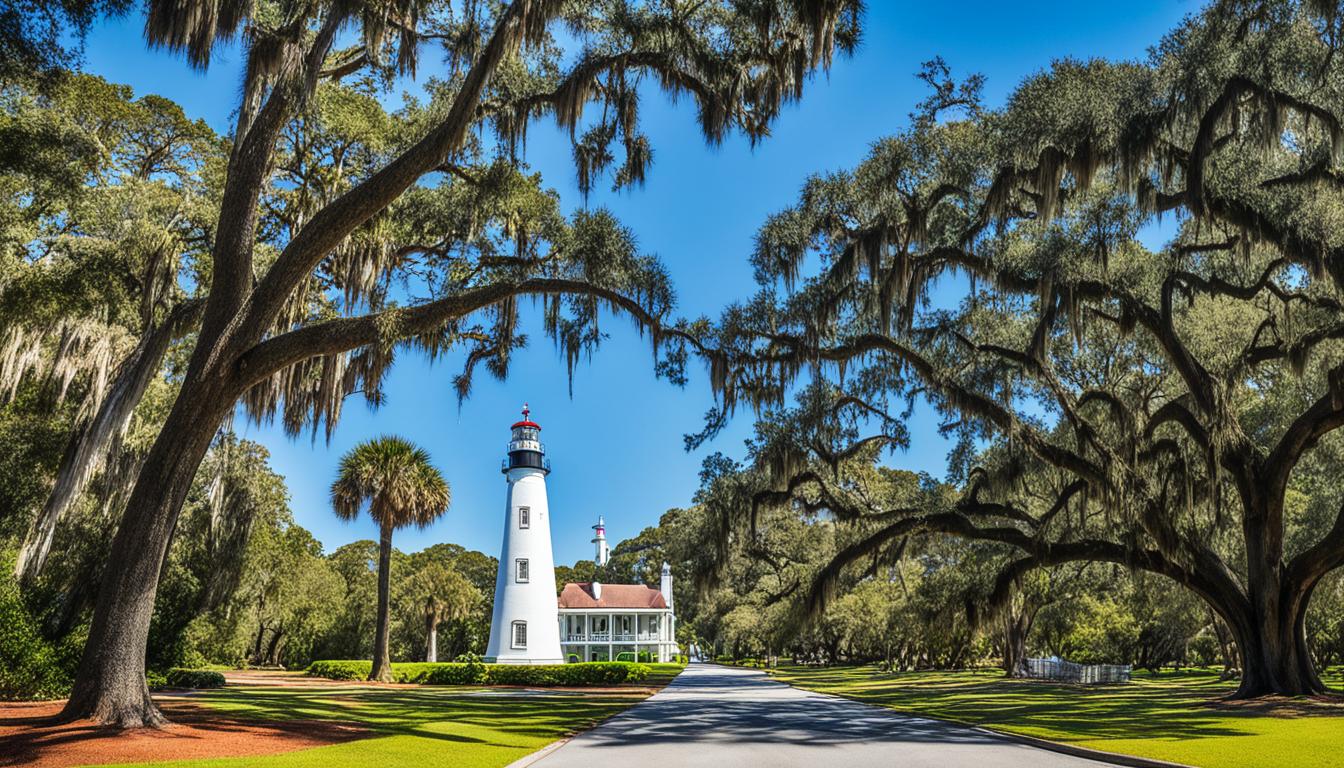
(1174, 716)
(423, 726)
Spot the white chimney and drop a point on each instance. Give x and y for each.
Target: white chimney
(597, 590)
(665, 586)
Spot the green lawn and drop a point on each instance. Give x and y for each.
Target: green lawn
(662, 674)
(1174, 716)
(421, 726)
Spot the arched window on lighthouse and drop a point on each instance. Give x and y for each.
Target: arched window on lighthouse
(521, 570)
(520, 634)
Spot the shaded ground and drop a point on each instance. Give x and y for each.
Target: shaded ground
(1175, 716)
(283, 719)
(27, 737)
(721, 716)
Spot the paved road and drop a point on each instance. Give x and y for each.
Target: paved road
(724, 717)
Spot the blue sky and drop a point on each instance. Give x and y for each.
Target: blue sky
(616, 444)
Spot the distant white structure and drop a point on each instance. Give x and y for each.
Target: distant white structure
(524, 628)
(602, 553)
(590, 621)
(600, 622)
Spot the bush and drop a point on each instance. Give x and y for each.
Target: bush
(155, 679)
(476, 673)
(644, 656)
(30, 667)
(439, 673)
(583, 674)
(193, 678)
(341, 670)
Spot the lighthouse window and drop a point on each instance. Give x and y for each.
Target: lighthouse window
(521, 568)
(524, 517)
(520, 634)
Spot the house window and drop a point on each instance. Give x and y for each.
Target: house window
(520, 634)
(524, 517)
(521, 571)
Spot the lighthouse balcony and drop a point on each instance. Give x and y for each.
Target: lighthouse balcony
(526, 459)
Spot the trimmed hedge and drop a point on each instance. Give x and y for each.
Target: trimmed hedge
(193, 678)
(475, 673)
(341, 670)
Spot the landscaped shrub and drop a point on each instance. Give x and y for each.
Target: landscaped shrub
(155, 680)
(643, 656)
(341, 670)
(476, 673)
(194, 678)
(586, 673)
(439, 673)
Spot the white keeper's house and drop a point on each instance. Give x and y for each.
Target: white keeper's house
(589, 621)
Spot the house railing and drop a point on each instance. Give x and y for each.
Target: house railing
(1069, 672)
(607, 637)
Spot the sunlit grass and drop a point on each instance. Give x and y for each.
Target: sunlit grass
(420, 726)
(1175, 716)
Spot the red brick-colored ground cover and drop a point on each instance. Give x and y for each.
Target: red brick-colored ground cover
(28, 738)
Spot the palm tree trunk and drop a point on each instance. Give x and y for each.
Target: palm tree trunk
(432, 636)
(382, 665)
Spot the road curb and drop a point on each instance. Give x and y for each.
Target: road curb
(1115, 758)
(533, 757)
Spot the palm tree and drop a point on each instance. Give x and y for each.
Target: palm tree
(441, 594)
(400, 487)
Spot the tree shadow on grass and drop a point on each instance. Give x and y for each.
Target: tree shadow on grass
(414, 711)
(1183, 705)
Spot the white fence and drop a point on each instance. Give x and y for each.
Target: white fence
(1068, 672)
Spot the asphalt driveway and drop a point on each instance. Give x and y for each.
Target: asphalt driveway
(723, 717)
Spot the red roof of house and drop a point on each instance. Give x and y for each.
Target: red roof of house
(613, 596)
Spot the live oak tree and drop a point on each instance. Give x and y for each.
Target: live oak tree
(104, 204)
(1162, 401)
(305, 309)
(396, 483)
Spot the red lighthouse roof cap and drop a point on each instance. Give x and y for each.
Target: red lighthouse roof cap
(526, 422)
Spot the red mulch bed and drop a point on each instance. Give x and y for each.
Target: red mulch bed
(27, 736)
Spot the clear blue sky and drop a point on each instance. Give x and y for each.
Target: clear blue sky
(616, 444)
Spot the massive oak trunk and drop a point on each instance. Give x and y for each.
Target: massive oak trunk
(1272, 643)
(382, 665)
(1016, 628)
(1271, 630)
(110, 686)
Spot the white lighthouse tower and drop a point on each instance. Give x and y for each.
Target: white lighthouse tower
(525, 627)
(602, 553)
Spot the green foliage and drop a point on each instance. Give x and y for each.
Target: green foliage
(156, 680)
(582, 674)
(592, 673)
(30, 666)
(340, 670)
(193, 678)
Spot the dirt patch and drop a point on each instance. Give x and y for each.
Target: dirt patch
(1283, 706)
(27, 736)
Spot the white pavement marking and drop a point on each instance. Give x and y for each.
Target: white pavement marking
(725, 717)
